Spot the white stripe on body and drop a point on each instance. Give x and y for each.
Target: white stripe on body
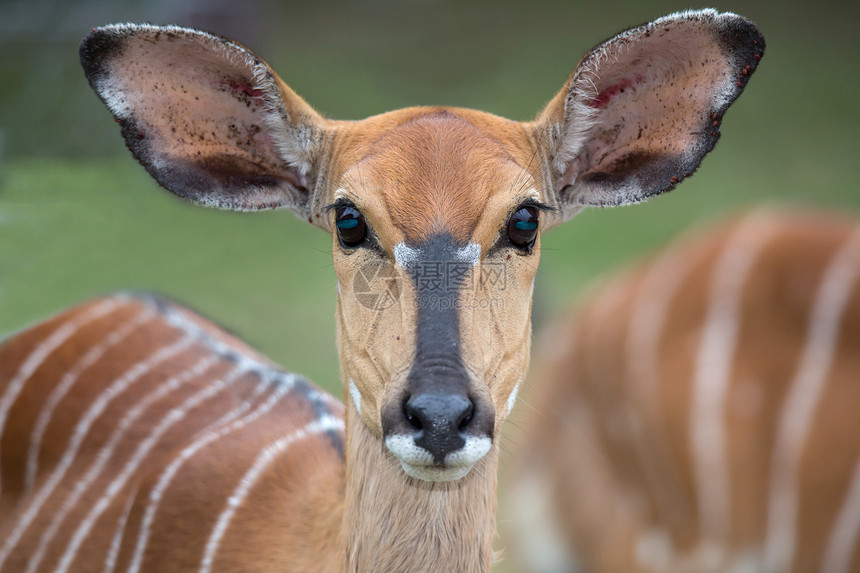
(179, 320)
(266, 457)
(41, 353)
(116, 541)
(222, 427)
(79, 434)
(845, 536)
(66, 382)
(658, 289)
(803, 396)
(105, 453)
(143, 449)
(713, 374)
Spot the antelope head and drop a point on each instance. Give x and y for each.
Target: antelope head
(436, 214)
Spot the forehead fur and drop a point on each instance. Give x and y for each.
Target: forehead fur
(436, 171)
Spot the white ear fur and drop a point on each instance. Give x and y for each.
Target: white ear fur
(642, 109)
(206, 117)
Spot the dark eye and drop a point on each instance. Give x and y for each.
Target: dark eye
(351, 229)
(523, 227)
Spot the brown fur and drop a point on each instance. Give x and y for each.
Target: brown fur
(436, 172)
(199, 492)
(605, 495)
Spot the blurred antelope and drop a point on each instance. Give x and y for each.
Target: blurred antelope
(137, 436)
(704, 407)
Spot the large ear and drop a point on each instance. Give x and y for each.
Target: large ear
(206, 117)
(642, 109)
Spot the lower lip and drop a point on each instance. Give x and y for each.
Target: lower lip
(435, 473)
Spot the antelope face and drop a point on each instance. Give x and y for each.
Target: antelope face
(435, 248)
(435, 214)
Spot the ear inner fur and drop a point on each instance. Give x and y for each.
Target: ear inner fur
(642, 109)
(206, 117)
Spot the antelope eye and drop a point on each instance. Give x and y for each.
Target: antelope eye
(523, 227)
(351, 228)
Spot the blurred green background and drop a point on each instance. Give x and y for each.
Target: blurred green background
(78, 217)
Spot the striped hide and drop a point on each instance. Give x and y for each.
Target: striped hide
(136, 436)
(702, 409)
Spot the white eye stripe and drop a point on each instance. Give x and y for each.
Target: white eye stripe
(471, 254)
(405, 256)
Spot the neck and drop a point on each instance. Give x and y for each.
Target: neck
(393, 522)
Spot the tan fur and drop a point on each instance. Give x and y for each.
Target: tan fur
(607, 497)
(456, 528)
(435, 171)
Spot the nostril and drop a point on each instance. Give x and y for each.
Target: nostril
(467, 417)
(413, 418)
(451, 413)
(413, 421)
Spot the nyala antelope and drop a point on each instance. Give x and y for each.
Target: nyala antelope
(713, 391)
(137, 436)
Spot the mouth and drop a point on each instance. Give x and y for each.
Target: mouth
(417, 462)
(436, 473)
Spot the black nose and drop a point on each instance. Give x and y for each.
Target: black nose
(438, 421)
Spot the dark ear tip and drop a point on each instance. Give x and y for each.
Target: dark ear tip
(741, 37)
(743, 45)
(97, 48)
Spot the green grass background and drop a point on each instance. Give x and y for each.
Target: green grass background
(79, 218)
